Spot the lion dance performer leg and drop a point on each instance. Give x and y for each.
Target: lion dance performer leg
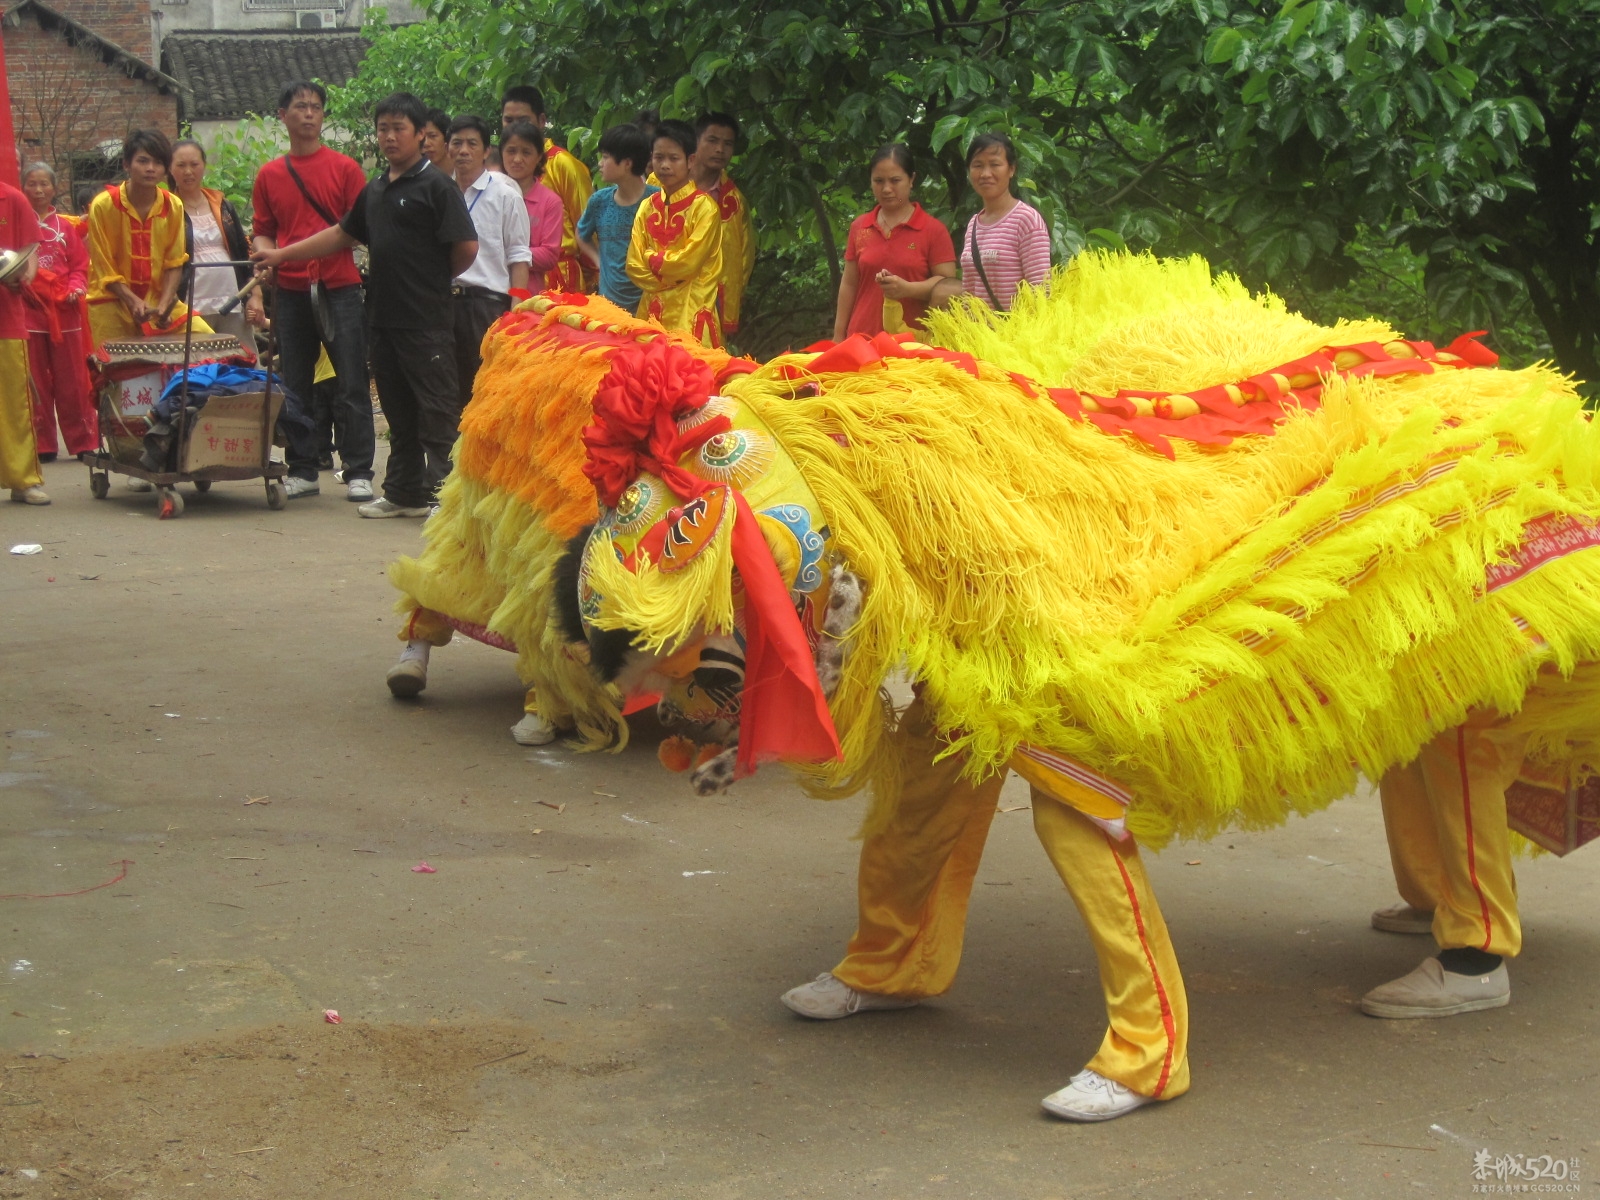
(914, 882)
(1448, 815)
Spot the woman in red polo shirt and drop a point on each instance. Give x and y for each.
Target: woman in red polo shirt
(895, 257)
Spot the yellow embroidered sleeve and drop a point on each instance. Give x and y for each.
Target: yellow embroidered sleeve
(108, 242)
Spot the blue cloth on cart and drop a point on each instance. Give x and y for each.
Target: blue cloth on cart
(224, 379)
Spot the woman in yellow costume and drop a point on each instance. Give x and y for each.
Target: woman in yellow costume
(1184, 560)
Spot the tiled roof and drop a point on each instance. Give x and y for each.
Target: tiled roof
(230, 75)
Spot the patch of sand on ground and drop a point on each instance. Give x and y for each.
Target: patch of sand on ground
(325, 1110)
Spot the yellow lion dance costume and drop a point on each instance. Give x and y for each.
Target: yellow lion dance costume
(1183, 559)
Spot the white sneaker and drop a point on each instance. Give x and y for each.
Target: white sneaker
(29, 495)
(297, 487)
(1092, 1097)
(533, 730)
(135, 484)
(1402, 918)
(410, 675)
(1431, 991)
(826, 998)
(385, 507)
(359, 491)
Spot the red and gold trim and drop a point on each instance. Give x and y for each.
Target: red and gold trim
(140, 234)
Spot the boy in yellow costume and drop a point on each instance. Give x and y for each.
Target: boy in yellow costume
(567, 177)
(136, 245)
(676, 254)
(718, 136)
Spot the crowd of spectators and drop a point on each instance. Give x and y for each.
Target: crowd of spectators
(466, 216)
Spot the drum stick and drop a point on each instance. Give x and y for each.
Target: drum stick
(238, 297)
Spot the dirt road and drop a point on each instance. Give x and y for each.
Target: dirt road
(581, 1000)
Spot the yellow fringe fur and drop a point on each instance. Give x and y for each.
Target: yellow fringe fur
(1054, 585)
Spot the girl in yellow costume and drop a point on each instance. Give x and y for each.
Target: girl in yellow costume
(136, 245)
(1185, 561)
(676, 253)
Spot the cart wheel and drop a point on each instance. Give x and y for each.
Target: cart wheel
(277, 494)
(170, 504)
(99, 484)
(202, 485)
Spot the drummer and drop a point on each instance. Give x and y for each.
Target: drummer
(136, 246)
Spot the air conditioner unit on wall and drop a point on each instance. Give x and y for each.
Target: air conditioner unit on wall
(318, 18)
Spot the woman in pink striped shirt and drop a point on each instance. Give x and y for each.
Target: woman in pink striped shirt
(522, 156)
(1008, 241)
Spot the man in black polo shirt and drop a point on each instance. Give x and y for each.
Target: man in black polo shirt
(420, 236)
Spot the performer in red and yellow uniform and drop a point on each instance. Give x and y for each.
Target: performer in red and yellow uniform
(567, 177)
(717, 135)
(738, 251)
(676, 253)
(57, 353)
(136, 244)
(19, 457)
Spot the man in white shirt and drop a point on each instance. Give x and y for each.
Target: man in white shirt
(481, 294)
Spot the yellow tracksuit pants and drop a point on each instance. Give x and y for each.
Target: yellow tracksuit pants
(916, 877)
(19, 456)
(1445, 816)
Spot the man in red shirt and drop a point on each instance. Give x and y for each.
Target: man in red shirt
(19, 456)
(318, 302)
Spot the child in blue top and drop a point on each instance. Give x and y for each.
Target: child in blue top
(606, 226)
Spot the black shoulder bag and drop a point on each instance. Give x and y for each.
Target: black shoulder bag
(320, 312)
(977, 261)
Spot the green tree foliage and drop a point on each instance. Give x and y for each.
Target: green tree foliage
(238, 154)
(1434, 161)
(409, 58)
(1459, 131)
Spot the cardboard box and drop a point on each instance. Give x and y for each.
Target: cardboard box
(228, 433)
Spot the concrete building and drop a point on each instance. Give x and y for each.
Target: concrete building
(216, 16)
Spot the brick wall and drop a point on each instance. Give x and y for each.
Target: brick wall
(125, 22)
(65, 101)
